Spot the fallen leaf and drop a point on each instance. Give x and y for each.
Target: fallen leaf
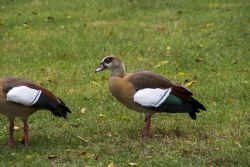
(25, 24)
(65, 125)
(161, 63)
(111, 164)
(235, 62)
(133, 163)
(140, 58)
(161, 29)
(181, 74)
(231, 100)
(71, 90)
(82, 110)
(69, 150)
(109, 134)
(101, 115)
(190, 84)
(214, 103)
(16, 128)
(238, 144)
(28, 157)
(97, 157)
(82, 154)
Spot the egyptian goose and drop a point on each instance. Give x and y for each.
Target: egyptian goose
(21, 98)
(147, 92)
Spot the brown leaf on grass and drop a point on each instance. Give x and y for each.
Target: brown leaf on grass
(82, 154)
(234, 62)
(141, 58)
(181, 74)
(231, 100)
(65, 125)
(28, 157)
(207, 25)
(69, 150)
(25, 24)
(214, 103)
(161, 63)
(97, 157)
(16, 128)
(160, 29)
(101, 115)
(238, 144)
(190, 84)
(111, 164)
(133, 163)
(82, 110)
(72, 90)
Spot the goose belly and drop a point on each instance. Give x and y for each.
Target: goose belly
(12, 110)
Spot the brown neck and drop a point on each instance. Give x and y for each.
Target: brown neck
(118, 72)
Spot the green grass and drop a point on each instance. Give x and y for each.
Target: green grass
(59, 44)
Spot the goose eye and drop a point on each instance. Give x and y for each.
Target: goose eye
(108, 60)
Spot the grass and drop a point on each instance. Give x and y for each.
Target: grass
(59, 44)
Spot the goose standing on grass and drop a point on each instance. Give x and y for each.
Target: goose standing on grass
(147, 92)
(21, 98)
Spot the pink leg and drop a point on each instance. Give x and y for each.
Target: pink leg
(25, 130)
(147, 126)
(11, 131)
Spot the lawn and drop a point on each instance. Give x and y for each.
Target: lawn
(59, 44)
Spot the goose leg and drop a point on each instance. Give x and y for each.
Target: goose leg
(147, 126)
(25, 130)
(11, 131)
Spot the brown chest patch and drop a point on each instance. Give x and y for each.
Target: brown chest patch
(2, 93)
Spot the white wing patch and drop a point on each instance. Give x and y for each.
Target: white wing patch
(151, 97)
(24, 95)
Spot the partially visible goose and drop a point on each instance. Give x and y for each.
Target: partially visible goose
(147, 92)
(21, 98)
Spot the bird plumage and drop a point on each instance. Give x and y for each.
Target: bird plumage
(123, 88)
(13, 109)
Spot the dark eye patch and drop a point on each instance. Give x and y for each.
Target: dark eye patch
(108, 60)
